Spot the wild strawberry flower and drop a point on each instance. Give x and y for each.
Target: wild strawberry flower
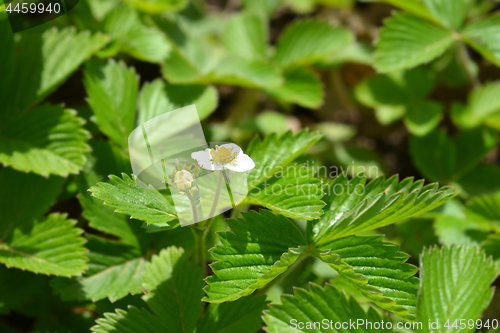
(183, 179)
(227, 156)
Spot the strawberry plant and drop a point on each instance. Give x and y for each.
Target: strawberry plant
(251, 166)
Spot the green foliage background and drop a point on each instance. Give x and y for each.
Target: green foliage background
(398, 97)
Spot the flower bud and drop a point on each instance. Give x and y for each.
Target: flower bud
(183, 179)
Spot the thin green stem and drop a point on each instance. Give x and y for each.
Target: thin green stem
(193, 206)
(217, 194)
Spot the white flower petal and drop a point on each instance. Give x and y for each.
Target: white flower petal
(203, 159)
(242, 164)
(235, 147)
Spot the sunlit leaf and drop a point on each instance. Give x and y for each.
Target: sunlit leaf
(407, 41)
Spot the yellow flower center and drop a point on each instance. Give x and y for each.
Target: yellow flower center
(223, 155)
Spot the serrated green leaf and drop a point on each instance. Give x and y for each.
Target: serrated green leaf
(258, 249)
(158, 6)
(377, 269)
(484, 37)
(353, 207)
(173, 285)
(307, 41)
(407, 41)
(294, 193)
(243, 316)
(300, 86)
(274, 153)
(140, 202)
(42, 62)
(159, 97)
(173, 290)
(450, 13)
(134, 320)
(316, 305)
(112, 90)
(245, 35)
(134, 37)
(49, 246)
(115, 270)
(455, 284)
(288, 190)
(483, 103)
(47, 140)
(102, 217)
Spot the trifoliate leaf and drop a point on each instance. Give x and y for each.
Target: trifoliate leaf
(377, 269)
(145, 204)
(484, 35)
(47, 140)
(112, 91)
(327, 306)
(300, 86)
(259, 247)
(305, 42)
(455, 284)
(407, 41)
(353, 207)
